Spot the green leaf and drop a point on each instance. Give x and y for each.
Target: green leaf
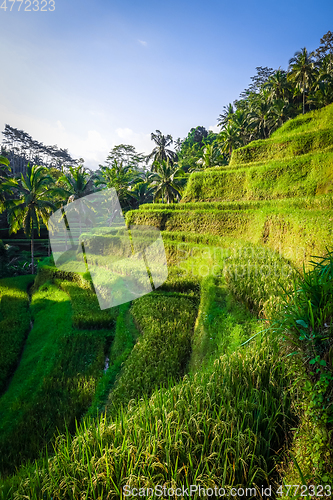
(302, 323)
(4, 161)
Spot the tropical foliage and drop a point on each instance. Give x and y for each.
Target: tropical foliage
(32, 203)
(161, 151)
(277, 96)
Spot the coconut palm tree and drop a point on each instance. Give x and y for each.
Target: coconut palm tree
(278, 86)
(280, 111)
(260, 121)
(142, 193)
(120, 177)
(34, 204)
(160, 153)
(167, 182)
(302, 71)
(226, 116)
(229, 138)
(77, 183)
(212, 157)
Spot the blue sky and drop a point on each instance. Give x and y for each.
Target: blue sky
(93, 74)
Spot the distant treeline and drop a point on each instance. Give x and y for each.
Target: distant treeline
(20, 148)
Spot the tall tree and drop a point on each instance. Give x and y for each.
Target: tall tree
(326, 45)
(167, 182)
(34, 204)
(212, 156)
(120, 177)
(21, 149)
(4, 175)
(161, 152)
(260, 120)
(142, 193)
(77, 183)
(229, 138)
(278, 86)
(302, 71)
(226, 116)
(258, 81)
(125, 154)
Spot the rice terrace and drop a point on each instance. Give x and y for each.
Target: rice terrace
(215, 381)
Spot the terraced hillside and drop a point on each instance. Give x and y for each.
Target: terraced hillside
(277, 192)
(185, 385)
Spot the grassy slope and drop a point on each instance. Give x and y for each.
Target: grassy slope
(274, 192)
(224, 424)
(14, 323)
(56, 378)
(296, 161)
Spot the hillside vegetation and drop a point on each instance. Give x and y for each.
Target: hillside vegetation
(221, 377)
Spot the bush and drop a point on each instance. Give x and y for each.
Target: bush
(306, 322)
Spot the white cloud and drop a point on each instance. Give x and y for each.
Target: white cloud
(214, 128)
(142, 142)
(60, 125)
(143, 43)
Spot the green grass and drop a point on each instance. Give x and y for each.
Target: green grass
(201, 395)
(295, 161)
(223, 323)
(257, 277)
(126, 334)
(304, 134)
(306, 175)
(14, 323)
(283, 147)
(221, 427)
(323, 202)
(86, 311)
(295, 233)
(55, 381)
(163, 349)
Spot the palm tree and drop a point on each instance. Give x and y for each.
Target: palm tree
(259, 117)
(225, 117)
(121, 178)
(280, 111)
(240, 121)
(160, 153)
(167, 182)
(302, 71)
(278, 85)
(34, 204)
(146, 176)
(229, 138)
(212, 156)
(77, 182)
(142, 193)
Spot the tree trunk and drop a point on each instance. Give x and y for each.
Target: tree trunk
(32, 252)
(303, 102)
